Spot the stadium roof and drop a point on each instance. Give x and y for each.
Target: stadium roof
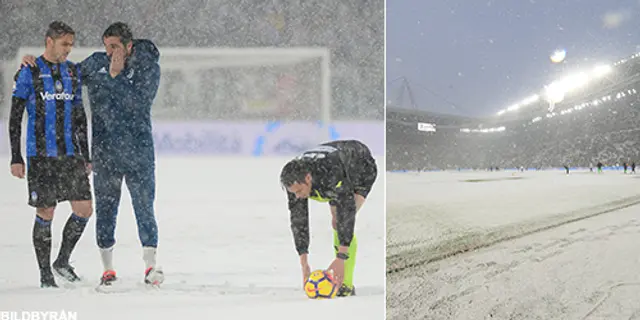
(626, 71)
(396, 113)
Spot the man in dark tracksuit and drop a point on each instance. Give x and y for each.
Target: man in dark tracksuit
(341, 173)
(122, 84)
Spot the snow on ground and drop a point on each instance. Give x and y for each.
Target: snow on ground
(586, 269)
(225, 247)
(440, 213)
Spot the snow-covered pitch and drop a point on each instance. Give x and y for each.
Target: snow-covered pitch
(225, 247)
(581, 264)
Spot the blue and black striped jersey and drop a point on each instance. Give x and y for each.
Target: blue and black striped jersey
(57, 124)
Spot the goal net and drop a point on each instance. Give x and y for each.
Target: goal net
(229, 84)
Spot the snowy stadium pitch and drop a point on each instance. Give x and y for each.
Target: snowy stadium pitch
(225, 247)
(548, 246)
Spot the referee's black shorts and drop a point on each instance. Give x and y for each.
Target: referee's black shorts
(55, 179)
(363, 171)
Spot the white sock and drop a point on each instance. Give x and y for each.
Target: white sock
(149, 256)
(107, 258)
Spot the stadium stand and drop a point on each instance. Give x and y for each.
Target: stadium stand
(599, 123)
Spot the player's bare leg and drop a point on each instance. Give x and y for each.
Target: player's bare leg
(41, 237)
(73, 230)
(347, 288)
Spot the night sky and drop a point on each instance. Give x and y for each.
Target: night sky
(475, 58)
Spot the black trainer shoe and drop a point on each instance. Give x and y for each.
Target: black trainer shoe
(46, 279)
(65, 271)
(345, 291)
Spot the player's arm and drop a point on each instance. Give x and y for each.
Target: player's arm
(143, 85)
(21, 92)
(15, 128)
(30, 60)
(299, 217)
(88, 67)
(345, 212)
(79, 117)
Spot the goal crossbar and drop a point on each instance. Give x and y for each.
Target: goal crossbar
(190, 58)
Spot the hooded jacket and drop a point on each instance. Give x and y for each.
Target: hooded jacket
(121, 106)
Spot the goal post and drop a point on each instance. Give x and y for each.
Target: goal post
(258, 83)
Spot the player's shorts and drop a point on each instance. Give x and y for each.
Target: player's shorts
(364, 172)
(53, 180)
